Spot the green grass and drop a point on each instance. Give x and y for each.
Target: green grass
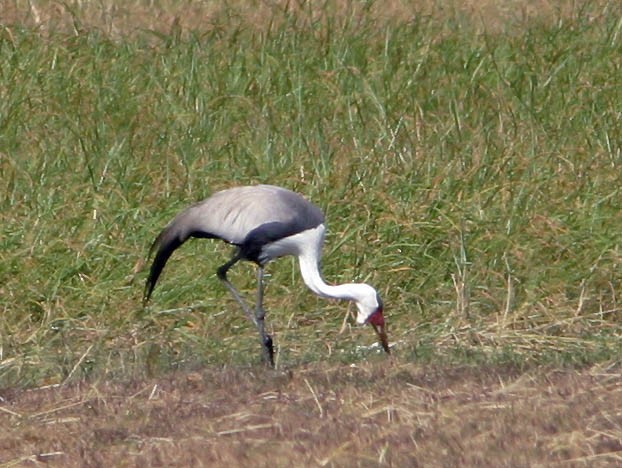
(471, 173)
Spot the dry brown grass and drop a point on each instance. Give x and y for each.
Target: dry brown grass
(363, 415)
(122, 18)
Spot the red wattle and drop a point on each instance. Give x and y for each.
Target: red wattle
(377, 318)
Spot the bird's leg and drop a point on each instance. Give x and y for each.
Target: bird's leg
(266, 340)
(258, 317)
(222, 275)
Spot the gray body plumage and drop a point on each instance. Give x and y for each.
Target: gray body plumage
(233, 214)
(249, 217)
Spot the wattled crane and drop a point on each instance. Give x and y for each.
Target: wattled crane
(264, 222)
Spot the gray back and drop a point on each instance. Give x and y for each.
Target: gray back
(232, 214)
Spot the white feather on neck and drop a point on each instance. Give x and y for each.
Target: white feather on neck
(307, 246)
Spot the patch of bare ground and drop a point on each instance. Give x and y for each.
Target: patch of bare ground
(321, 415)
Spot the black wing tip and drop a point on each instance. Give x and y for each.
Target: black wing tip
(149, 285)
(164, 245)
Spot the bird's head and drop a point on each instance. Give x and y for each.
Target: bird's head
(370, 310)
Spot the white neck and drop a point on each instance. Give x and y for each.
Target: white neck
(313, 279)
(307, 246)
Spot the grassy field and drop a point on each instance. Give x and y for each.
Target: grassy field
(468, 157)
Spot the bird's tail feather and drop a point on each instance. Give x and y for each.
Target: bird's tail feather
(164, 245)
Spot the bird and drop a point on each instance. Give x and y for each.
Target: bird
(264, 222)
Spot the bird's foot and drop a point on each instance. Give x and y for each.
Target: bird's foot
(268, 351)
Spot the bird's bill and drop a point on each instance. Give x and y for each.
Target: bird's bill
(382, 334)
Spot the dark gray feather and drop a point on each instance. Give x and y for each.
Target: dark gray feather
(249, 217)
